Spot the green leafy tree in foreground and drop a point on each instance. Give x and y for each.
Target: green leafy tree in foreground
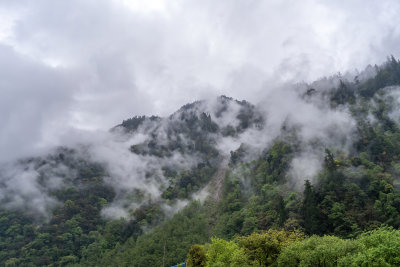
(380, 247)
(263, 249)
(317, 251)
(196, 256)
(222, 253)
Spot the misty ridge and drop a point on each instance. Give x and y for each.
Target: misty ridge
(215, 133)
(164, 163)
(304, 162)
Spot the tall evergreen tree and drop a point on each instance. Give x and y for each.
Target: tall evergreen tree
(309, 209)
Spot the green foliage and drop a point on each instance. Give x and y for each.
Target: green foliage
(343, 94)
(263, 249)
(178, 234)
(309, 209)
(133, 124)
(186, 182)
(221, 253)
(273, 167)
(388, 74)
(196, 256)
(317, 251)
(380, 247)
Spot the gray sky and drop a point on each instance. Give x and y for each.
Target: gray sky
(73, 66)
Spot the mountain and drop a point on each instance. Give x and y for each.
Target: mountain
(319, 158)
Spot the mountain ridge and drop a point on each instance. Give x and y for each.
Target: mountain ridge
(321, 158)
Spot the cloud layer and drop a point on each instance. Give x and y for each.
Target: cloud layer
(89, 64)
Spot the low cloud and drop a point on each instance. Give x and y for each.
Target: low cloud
(72, 70)
(87, 65)
(25, 186)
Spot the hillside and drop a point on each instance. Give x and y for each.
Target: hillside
(319, 159)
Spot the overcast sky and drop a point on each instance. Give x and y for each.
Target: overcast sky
(68, 66)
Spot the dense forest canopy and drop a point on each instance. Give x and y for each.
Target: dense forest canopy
(314, 181)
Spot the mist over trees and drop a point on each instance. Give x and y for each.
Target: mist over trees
(311, 180)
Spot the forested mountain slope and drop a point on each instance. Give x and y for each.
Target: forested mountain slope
(320, 158)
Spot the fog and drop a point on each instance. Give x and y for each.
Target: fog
(71, 71)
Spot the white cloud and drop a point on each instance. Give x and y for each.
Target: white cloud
(90, 64)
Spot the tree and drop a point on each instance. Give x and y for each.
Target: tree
(380, 247)
(317, 251)
(221, 253)
(264, 248)
(309, 209)
(196, 256)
